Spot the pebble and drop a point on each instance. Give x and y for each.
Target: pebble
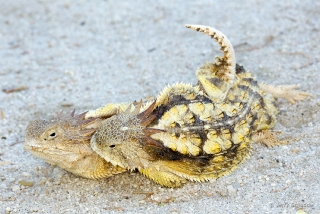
(35, 209)
(301, 212)
(15, 188)
(26, 183)
(236, 185)
(26, 174)
(8, 210)
(231, 190)
(212, 181)
(222, 192)
(3, 186)
(156, 198)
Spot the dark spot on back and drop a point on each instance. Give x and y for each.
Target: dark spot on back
(217, 82)
(197, 121)
(179, 100)
(239, 69)
(203, 137)
(244, 88)
(251, 81)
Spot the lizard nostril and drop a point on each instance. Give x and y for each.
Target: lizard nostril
(111, 146)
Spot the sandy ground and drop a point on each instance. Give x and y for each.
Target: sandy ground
(83, 54)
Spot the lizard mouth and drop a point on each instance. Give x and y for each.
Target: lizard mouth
(37, 151)
(31, 146)
(52, 155)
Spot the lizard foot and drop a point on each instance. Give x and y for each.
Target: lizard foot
(287, 92)
(268, 138)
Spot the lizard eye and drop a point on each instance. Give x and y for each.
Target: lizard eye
(51, 135)
(111, 146)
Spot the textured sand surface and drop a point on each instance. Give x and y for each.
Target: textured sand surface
(83, 54)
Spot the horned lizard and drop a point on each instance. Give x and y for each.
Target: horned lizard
(189, 132)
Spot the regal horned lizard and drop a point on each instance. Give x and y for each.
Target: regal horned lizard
(189, 132)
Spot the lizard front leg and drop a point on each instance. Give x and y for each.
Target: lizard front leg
(268, 138)
(161, 175)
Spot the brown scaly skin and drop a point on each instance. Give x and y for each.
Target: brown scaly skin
(65, 141)
(189, 133)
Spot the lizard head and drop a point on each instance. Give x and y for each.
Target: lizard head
(122, 138)
(65, 141)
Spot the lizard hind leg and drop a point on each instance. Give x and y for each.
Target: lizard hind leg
(287, 92)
